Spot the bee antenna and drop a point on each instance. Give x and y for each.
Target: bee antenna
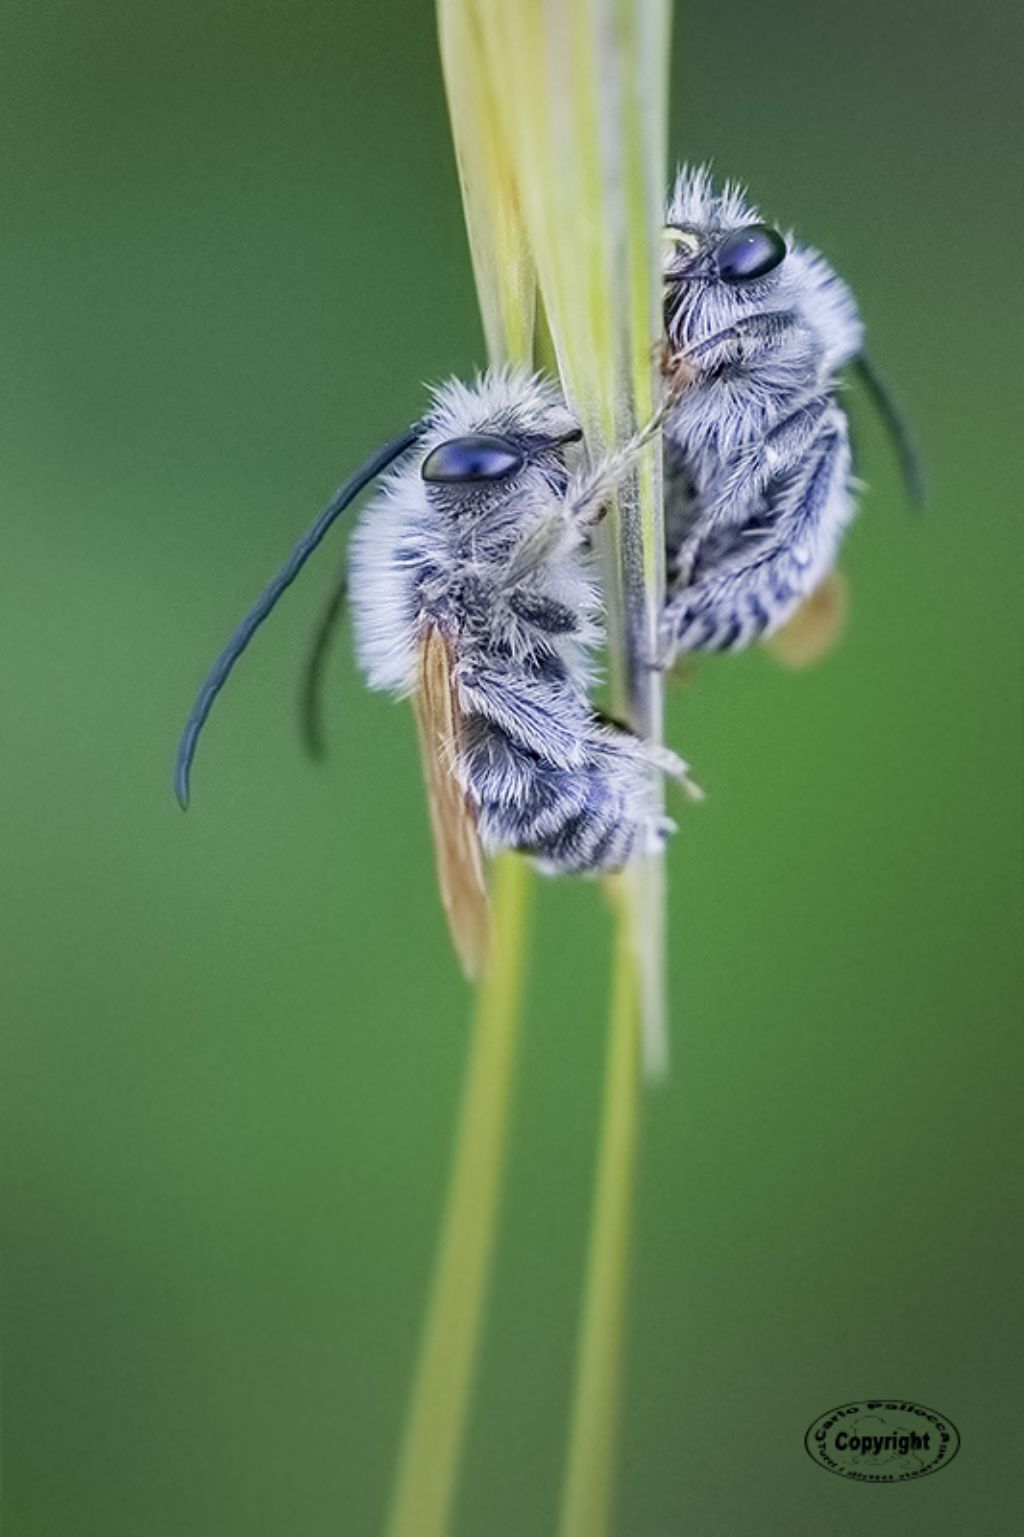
(218, 674)
(311, 700)
(894, 422)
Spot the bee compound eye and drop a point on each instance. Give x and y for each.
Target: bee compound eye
(749, 253)
(478, 457)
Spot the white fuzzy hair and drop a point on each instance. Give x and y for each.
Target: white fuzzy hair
(695, 203)
(758, 489)
(807, 283)
(503, 400)
(401, 529)
(503, 569)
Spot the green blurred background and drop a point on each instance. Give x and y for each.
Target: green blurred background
(231, 251)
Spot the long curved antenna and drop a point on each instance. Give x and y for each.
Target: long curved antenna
(218, 674)
(892, 419)
(311, 698)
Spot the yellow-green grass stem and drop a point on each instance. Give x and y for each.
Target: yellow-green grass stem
(558, 112)
(579, 91)
(588, 1489)
(435, 1427)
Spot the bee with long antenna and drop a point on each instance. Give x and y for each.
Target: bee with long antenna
(757, 451)
(472, 586)
(473, 593)
(758, 489)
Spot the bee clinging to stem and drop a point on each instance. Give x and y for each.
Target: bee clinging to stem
(758, 489)
(472, 577)
(474, 593)
(757, 451)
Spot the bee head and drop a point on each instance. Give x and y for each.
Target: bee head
(479, 458)
(721, 259)
(477, 471)
(736, 257)
(494, 441)
(722, 263)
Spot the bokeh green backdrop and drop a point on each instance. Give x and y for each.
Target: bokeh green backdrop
(231, 249)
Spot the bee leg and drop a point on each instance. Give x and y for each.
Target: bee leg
(670, 763)
(780, 454)
(791, 438)
(755, 465)
(656, 754)
(529, 712)
(545, 614)
(745, 341)
(584, 505)
(551, 536)
(753, 585)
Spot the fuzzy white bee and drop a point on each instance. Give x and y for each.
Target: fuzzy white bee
(474, 594)
(758, 487)
(758, 329)
(472, 577)
(757, 445)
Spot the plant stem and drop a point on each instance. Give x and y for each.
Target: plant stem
(589, 1482)
(436, 1419)
(435, 1426)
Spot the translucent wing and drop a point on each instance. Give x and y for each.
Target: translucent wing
(460, 864)
(815, 628)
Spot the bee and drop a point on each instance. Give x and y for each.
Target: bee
(474, 593)
(758, 489)
(758, 485)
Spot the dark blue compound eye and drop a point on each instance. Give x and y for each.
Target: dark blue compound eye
(477, 457)
(749, 253)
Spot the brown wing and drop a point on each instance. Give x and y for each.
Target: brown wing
(460, 864)
(816, 626)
